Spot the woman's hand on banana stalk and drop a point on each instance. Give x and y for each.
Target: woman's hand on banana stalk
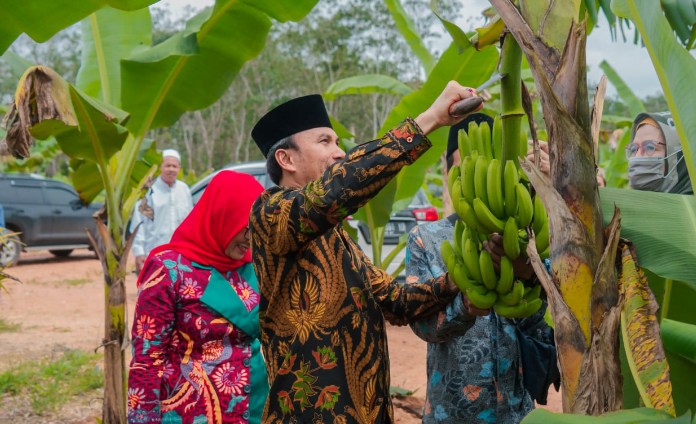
(521, 268)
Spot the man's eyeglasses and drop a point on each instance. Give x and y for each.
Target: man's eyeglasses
(247, 233)
(648, 147)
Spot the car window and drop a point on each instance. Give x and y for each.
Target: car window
(59, 196)
(28, 195)
(7, 193)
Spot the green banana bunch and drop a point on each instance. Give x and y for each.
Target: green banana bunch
(489, 198)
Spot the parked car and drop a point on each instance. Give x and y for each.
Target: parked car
(418, 211)
(48, 214)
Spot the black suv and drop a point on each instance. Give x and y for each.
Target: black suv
(48, 214)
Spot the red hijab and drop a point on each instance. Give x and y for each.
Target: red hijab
(221, 213)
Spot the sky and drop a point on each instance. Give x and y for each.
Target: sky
(631, 62)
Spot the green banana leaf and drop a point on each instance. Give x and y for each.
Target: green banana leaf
(674, 66)
(341, 131)
(192, 69)
(369, 83)
(619, 121)
(661, 226)
(617, 167)
(458, 35)
(405, 25)
(42, 19)
(108, 36)
(17, 63)
(631, 416)
(680, 338)
(471, 68)
(635, 106)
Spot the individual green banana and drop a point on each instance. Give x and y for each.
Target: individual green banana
(542, 239)
(494, 189)
(480, 175)
(507, 276)
(456, 192)
(468, 215)
(487, 270)
(533, 293)
(485, 130)
(523, 149)
(470, 234)
(478, 288)
(511, 242)
(497, 137)
(531, 307)
(446, 250)
(514, 296)
(464, 144)
(510, 180)
(471, 260)
(482, 301)
(525, 208)
(475, 137)
(468, 172)
(545, 254)
(457, 240)
(452, 176)
(489, 221)
(509, 311)
(459, 277)
(540, 216)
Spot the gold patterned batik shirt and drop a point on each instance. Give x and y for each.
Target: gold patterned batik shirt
(323, 304)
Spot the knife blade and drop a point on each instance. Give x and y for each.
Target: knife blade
(492, 80)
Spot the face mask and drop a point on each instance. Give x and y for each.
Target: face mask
(646, 173)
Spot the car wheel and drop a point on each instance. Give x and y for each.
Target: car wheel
(61, 253)
(9, 252)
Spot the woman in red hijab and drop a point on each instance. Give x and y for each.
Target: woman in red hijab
(196, 355)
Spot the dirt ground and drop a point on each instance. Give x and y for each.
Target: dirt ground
(60, 306)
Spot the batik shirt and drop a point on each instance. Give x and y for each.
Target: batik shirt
(473, 363)
(323, 304)
(195, 355)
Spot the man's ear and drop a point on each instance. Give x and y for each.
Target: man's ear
(285, 160)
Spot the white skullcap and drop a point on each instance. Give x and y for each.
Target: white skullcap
(171, 153)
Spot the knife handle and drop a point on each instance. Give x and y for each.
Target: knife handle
(466, 106)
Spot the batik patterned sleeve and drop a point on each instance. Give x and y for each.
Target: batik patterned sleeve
(152, 329)
(451, 322)
(286, 219)
(402, 304)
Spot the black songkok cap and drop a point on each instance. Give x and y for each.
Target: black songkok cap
(453, 139)
(291, 117)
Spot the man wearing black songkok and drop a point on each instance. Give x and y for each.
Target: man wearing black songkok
(323, 304)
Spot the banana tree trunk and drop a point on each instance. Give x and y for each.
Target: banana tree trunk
(113, 258)
(582, 290)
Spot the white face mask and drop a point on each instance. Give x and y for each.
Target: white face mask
(646, 173)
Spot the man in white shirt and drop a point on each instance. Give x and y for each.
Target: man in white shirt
(165, 205)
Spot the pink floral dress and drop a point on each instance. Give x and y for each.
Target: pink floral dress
(196, 356)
